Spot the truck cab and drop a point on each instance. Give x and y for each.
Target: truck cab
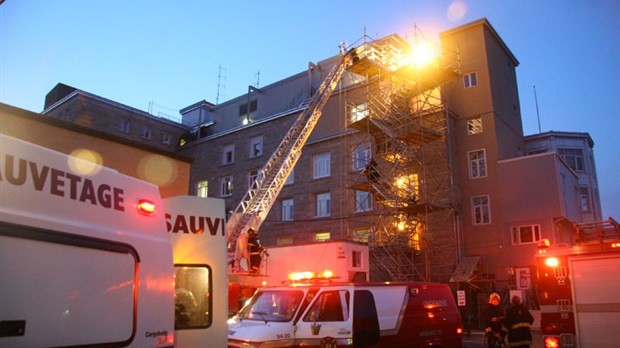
(329, 314)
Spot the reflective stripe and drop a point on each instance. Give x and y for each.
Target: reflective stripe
(519, 325)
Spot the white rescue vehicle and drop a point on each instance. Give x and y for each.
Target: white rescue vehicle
(320, 313)
(85, 258)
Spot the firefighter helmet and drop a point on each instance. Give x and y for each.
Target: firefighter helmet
(494, 296)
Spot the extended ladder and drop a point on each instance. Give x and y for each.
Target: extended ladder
(258, 200)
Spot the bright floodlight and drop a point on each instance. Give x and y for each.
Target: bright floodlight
(422, 53)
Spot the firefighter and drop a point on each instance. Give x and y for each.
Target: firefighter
(255, 251)
(517, 324)
(492, 318)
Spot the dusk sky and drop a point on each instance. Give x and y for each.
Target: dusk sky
(162, 56)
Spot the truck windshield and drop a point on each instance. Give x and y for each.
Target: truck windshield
(272, 306)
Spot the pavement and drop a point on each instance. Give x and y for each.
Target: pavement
(475, 339)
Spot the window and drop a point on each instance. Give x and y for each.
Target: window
(359, 112)
(363, 201)
(322, 236)
(356, 259)
(166, 138)
(470, 80)
(474, 126)
(330, 305)
(284, 240)
(226, 185)
(481, 210)
(123, 126)
(477, 164)
(203, 189)
(574, 158)
(228, 155)
(362, 235)
(145, 133)
(584, 199)
(256, 146)
(252, 176)
(323, 204)
(321, 165)
(291, 178)
(269, 305)
(194, 288)
(243, 108)
(287, 210)
(361, 156)
(525, 234)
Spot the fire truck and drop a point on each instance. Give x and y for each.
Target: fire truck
(579, 288)
(92, 257)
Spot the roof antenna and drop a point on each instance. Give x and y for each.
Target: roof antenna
(537, 113)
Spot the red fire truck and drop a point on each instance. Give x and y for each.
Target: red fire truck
(579, 288)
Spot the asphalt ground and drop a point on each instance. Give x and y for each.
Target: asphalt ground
(476, 340)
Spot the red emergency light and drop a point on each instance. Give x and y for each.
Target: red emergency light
(552, 342)
(146, 207)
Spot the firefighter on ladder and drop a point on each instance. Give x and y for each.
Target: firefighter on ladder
(255, 249)
(492, 318)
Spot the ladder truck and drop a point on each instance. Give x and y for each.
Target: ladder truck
(579, 288)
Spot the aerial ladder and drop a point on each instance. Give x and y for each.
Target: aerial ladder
(258, 200)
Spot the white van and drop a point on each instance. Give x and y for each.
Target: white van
(85, 258)
(326, 314)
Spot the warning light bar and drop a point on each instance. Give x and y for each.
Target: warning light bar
(146, 207)
(297, 276)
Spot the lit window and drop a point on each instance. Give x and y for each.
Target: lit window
(203, 189)
(474, 126)
(361, 156)
(477, 164)
(193, 297)
(322, 236)
(123, 126)
(363, 201)
(481, 210)
(584, 199)
(470, 80)
(226, 184)
(323, 205)
(256, 146)
(525, 234)
(145, 133)
(359, 112)
(228, 155)
(574, 158)
(287, 210)
(361, 236)
(322, 165)
(291, 178)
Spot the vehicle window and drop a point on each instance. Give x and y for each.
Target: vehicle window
(192, 298)
(330, 306)
(272, 306)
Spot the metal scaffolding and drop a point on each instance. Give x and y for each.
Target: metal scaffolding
(401, 157)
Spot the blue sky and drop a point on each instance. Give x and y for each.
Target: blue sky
(165, 55)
